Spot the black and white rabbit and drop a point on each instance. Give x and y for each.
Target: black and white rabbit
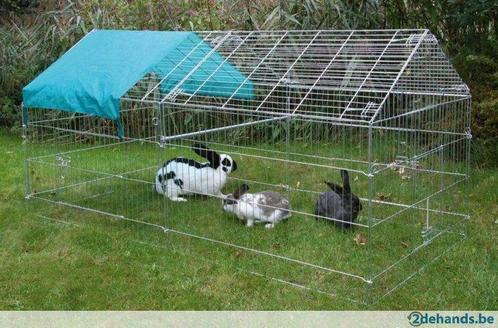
(266, 206)
(340, 204)
(182, 176)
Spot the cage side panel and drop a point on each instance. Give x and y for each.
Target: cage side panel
(420, 194)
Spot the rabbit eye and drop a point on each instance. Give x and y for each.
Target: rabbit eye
(229, 201)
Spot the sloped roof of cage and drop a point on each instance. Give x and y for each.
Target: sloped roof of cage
(340, 75)
(96, 72)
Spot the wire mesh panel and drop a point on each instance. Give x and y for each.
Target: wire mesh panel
(350, 147)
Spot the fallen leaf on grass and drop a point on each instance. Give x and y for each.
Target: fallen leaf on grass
(405, 245)
(238, 254)
(360, 239)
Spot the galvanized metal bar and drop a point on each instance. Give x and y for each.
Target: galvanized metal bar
(174, 68)
(323, 72)
(196, 67)
(220, 65)
(255, 69)
(284, 76)
(369, 73)
(228, 127)
(401, 71)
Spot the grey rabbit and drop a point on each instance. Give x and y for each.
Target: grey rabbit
(339, 205)
(268, 207)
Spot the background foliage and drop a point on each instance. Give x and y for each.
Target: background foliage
(33, 33)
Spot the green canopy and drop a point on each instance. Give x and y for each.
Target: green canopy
(96, 72)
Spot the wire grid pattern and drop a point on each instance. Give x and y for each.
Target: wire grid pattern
(385, 105)
(357, 70)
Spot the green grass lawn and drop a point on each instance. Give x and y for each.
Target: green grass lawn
(91, 263)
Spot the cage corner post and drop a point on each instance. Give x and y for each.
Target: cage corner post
(466, 186)
(369, 300)
(158, 121)
(25, 141)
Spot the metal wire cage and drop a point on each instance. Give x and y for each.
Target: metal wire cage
(385, 105)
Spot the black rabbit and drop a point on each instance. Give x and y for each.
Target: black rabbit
(339, 205)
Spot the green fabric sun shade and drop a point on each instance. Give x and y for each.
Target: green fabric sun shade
(95, 73)
(203, 72)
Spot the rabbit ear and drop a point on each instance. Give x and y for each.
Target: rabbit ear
(203, 151)
(240, 191)
(345, 181)
(335, 188)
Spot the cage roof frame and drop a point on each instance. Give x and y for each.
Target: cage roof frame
(370, 65)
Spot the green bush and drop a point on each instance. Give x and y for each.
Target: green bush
(31, 40)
